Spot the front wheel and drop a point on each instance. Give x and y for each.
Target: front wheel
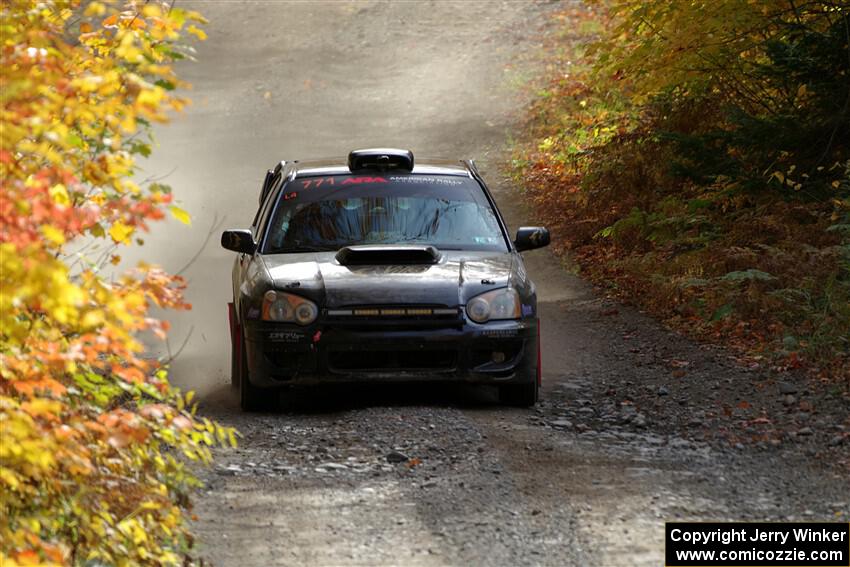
(526, 394)
(252, 398)
(518, 395)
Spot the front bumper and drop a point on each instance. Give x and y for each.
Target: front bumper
(497, 352)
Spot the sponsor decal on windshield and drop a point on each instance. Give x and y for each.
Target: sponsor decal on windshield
(423, 179)
(359, 180)
(316, 182)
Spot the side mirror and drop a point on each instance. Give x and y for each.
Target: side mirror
(238, 241)
(531, 237)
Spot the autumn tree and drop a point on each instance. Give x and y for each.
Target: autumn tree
(96, 452)
(696, 158)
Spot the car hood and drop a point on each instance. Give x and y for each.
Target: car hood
(456, 277)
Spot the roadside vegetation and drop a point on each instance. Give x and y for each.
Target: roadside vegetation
(694, 158)
(97, 446)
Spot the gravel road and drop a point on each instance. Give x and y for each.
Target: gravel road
(636, 425)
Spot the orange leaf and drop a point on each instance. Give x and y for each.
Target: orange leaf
(28, 557)
(30, 387)
(130, 374)
(95, 427)
(119, 440)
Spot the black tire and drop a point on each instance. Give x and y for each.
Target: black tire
(252, 398)
(518, 395)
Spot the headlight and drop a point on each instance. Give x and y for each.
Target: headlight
(497, 304)
(287, 308)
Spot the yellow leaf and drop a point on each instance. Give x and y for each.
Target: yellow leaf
(53, 234)
(9, 477)
(120, 232)
(151, 11)
(127, 49)
(95, 9)
(197, 32)
(129, 185)
(196, 16)
(92, 319)
(180, 215)
(41, 407)
(150, 97)
(60, 194)
(128, 124)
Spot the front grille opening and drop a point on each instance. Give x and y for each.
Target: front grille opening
(394, 316)
(412, 312)
(366, 360)
(288, 363)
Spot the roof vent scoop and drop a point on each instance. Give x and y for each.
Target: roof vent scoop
(380, 159)
(373, 255)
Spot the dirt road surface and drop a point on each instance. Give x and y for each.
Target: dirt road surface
(629, 432)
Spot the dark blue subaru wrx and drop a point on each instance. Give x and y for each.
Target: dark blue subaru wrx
(379, 269)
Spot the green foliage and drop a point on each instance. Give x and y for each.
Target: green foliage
(748, 276)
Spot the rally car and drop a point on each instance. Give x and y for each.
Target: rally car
(379, 269)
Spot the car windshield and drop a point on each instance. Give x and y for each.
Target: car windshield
(331, 212)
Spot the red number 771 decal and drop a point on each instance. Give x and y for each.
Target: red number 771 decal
(317, 182)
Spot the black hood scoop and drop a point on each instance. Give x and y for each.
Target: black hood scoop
(374, 255)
